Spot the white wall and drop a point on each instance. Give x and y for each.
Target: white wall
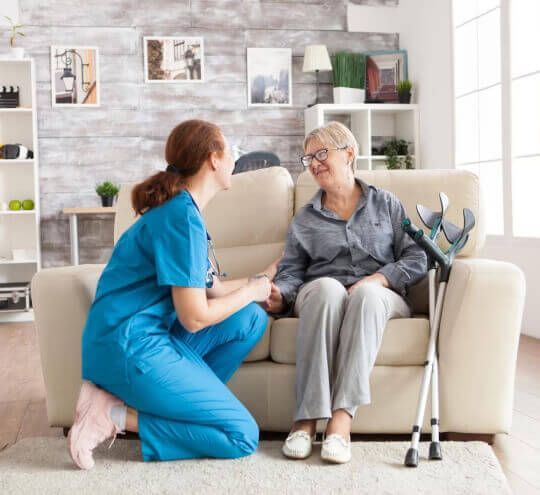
(424, 29)
(9, 8)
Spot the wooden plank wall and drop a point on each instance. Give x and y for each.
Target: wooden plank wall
(123, 139)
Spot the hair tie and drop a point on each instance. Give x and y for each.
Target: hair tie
(173, 169)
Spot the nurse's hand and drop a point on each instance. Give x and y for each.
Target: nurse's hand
(274, 304)
(260, 287)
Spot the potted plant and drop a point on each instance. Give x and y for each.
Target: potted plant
(397, 154)
(16, 51)
(107, 191)
(404, 91)
(348, 73)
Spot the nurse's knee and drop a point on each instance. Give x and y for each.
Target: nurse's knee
(246, 438)
(255, 321)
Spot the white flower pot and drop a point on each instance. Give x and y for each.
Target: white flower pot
(16, 52)
(349, 95)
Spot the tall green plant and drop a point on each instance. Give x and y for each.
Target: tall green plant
(348, 70)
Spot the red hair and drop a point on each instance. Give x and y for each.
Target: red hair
(188, 146)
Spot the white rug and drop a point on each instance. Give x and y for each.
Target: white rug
(43, 465)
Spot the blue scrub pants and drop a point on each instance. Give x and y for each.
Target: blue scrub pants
(185, 410)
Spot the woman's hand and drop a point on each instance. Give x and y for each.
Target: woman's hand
(377, 278)
(274, 303)
(260, 287)
(271, 269)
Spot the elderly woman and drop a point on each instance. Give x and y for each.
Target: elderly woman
(346, 267)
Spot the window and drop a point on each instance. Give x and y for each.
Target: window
(477, 83)
(525, 77)
(496, 74)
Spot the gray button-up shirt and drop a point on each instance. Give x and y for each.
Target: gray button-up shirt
(321, 244)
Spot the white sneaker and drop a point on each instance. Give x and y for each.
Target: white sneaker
(336, 449)
(298, 445)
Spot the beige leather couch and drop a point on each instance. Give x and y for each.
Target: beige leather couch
(478, 337)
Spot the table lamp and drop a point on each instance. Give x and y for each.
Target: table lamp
(316, 58)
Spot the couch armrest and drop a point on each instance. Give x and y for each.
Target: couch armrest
(478, 342)
(61, 298)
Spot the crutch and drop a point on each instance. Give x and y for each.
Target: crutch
(457, 238)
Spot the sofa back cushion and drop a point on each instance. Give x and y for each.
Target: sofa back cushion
(248, 222)
(421, 186)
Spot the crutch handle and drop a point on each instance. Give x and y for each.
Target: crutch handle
(432, 250)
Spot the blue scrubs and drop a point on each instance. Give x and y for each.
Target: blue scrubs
(134, 346)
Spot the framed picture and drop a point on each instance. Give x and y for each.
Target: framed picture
(75, 76)
(269, 76)
(173, 59)
(384, 69)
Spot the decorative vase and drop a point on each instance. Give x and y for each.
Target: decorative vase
(404, 96)
(16, 52)
(107, 200)
(349, 95)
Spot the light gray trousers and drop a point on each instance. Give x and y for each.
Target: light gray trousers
(339, 336)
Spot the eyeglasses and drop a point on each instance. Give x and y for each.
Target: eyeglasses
(321, 155)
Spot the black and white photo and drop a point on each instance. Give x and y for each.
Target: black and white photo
(269, 74)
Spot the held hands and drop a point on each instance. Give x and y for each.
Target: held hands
(260, 286)
(377, 278)
(274, 303)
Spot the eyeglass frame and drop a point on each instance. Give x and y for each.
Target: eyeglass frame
(314, 155)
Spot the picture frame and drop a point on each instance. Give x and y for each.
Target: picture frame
(269, 77)
(384, 69)
(75, 76)
(173, 59)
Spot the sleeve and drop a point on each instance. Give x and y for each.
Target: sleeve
(291, 269)
(180, 249)
(411, 261)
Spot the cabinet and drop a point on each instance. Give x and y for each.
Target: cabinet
(372, 125)
(19, 180)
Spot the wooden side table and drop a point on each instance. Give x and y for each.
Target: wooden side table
(73, 225)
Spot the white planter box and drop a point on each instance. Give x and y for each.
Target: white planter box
(16, 52)
(349, 95)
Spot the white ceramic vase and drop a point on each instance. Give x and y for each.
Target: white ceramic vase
(16, 52)
(349, 95)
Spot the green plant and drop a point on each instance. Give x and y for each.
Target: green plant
(397, 154)
(14, 31)
(348, 70)
(107, 189)
(404, 86)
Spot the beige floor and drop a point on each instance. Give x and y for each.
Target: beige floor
(22, 404)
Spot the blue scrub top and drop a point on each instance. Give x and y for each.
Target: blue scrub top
(133, 308)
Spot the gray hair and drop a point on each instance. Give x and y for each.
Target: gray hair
(335, 134)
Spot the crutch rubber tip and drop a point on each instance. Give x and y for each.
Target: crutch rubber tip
(435, 453)
(411, 459)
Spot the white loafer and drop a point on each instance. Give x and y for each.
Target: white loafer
(336, 449)
(298, 445)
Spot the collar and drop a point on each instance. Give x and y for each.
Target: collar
(315, 201)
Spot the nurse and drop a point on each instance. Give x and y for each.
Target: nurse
(165, 333)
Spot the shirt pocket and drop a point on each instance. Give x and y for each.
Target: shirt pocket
(378, 239)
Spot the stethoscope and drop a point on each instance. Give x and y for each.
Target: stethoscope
(214, 263)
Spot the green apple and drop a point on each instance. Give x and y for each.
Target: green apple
(15, 204)
(28, 204)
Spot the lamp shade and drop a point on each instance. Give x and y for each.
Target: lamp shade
(316, 58)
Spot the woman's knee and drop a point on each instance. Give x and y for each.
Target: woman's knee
(327, 291)
(371, 294)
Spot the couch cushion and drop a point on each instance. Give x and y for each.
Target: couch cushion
(404, 341)
(262, 350)
(422, 186)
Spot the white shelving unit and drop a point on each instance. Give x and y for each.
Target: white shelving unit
(19, 179)
(368, 120)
